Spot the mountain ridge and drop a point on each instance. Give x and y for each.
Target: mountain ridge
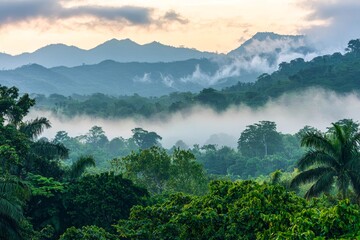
(126, 50)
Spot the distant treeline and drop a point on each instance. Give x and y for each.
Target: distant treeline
(336, 72)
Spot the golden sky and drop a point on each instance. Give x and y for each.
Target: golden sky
(209, 25)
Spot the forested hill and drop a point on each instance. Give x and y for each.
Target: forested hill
(337, 72)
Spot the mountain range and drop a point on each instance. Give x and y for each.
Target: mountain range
(125, 50)
(123, 67)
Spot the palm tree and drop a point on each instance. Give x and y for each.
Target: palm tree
(79, 167)
(33, 128)
(333, 158)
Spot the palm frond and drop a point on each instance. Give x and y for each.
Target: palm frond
(323, 184)
(340, 133)
(78, 168)
(355, 181)
(50, 150)
(32, 129)
(9, 229)
(309, 176)
(316, 157)
(318, 141)
(355, 140)
(12, 195)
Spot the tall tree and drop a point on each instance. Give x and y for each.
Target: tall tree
(354, 46)
(260, 139)
(333, 157)
(145, 139)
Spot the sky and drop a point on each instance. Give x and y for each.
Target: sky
(207, 25)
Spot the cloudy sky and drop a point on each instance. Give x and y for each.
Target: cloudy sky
(211, 25)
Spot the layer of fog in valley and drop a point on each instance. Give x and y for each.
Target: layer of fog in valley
(291, 112)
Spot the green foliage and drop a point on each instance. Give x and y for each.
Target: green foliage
(13, 194)
(95, 144)
(317, 221)
(79, 167)
(217, 161)
(86, 233)
(229, 210)
(101, 199)
(145, 139)
(12, 107)
(260, 139)
(243, 209)
(32, 129)
(43, 186)
(332, 157)
(159, 172)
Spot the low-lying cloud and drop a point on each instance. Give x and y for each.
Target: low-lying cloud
(291, 112)
(257, 57)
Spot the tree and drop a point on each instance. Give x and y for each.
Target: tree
(333, 157)
(86, 233)
(33, 128)
(230, 210)
(242, 210)
(96, 137)
(186, 175)
(354, 46)
(260, 139)
(102, 199)
(12, 107)
(148, 168)
(79, 167)
(145, 139)
(160, 172)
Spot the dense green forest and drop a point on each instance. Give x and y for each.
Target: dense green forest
(272, 186)
(336, 72)
(147, 192)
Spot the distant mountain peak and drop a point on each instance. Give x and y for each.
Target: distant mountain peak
(156, 44)
(113, 43)
(261, 36)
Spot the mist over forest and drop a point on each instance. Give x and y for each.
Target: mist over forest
(174, 143)
(291, 112)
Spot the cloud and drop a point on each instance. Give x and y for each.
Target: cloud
(14, 11)
(334, 22)
(146, 78)
(256, 57)
(174, 16)
(167, 79)
(291, 112)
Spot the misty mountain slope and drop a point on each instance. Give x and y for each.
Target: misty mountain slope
(35, 78)
(260, 54)
(117, 50)
(340, 73)
(336, 72)
(272, 49)
(110, 77)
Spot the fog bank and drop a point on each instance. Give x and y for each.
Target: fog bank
(291, 112)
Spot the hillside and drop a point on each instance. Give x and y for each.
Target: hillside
(336, 72)
(125, 67)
